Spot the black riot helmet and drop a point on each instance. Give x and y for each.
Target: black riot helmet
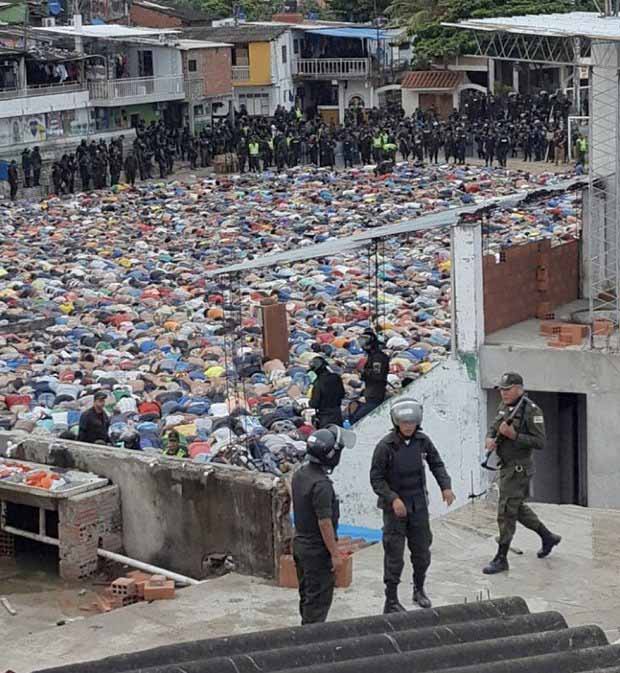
(406, 410)
(325, 446)
(317, 364)
(369, 340)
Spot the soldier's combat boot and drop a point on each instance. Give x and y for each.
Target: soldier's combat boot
(500, 563)
(549, 541)
(421, 599)
(392, 603)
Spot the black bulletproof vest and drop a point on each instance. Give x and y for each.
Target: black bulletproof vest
(407, 475)
(306, 522)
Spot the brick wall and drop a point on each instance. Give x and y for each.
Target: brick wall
(529, 281)
(86, 522)
(141, 16)
(215, 66)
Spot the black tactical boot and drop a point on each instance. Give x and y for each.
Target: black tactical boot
(549, 541)
(391, 600)
(500, 563)
(421, 599)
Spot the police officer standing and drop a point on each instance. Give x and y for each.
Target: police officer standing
(327, 393)
(516, 431)
(398, 477)
(36, 166)
(315, 546)
(13, 178)
(374, 374)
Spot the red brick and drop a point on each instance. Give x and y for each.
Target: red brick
(344, 574)
(124, 586)
(159, 592)
(603, 327)
(287, 577)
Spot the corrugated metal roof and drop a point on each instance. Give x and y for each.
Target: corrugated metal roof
(352, 33)
(104, 30)
(245, 32)
(186, 45)
(480, 637)
(573, 24)
(431, 79)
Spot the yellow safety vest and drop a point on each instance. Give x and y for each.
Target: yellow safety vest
(254, 149)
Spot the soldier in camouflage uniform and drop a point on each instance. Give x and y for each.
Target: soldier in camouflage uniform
(516, 431)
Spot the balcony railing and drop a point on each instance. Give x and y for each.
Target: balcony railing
(332, 68)
(240, 73)
(42, 90)
(136, 89)
(195, 88)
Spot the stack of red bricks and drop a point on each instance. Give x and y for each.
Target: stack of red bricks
(86, 522)
(287, 576)
(134, 587)
(563, 334)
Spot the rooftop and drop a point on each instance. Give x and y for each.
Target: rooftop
(245, 32)
(104, 31)
(580, 580)
(183, 12)
(572, 24)
(187, 45)
(432, 79)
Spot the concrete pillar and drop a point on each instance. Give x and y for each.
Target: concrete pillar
(491, 76)
(467, 287)
(602, 461)
(341, 103)
(515, 77)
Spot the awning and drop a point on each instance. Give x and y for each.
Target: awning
(352, 33)
(445, 80)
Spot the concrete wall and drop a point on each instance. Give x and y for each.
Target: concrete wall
(593, 373)
(526, 278)
(35, 105)
(452, 402)
(282, 73)
(175, 513)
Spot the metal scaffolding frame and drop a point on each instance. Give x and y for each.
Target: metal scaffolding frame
(603, 237)
(540, 49)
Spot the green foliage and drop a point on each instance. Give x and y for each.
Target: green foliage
(254, 10)
(424, 18)
(360, 11)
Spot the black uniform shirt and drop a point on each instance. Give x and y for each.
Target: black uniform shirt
(314, 499)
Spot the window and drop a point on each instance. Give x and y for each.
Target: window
(145, 63)
(283, 53)
(296, 47)
(241, 56)
(192, 66)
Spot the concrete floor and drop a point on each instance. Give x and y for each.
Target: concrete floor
(580, 579)
(527, 333)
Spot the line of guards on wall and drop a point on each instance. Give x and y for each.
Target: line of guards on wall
(398, 477)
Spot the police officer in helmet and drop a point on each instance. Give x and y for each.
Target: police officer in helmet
(327, 393)
(374, 374)
(517, 430)
(398, 477)
(315, 547)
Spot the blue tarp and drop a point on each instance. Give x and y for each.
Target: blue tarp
(4, 170)
(359, 33)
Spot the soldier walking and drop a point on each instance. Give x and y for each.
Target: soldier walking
(517, 430)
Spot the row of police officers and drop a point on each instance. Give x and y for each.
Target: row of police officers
(398, 477)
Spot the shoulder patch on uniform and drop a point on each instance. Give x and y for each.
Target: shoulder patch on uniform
(538, 419)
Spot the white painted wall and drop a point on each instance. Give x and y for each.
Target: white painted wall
(411, 101)
(35, 105)
(282, 73)
(453, 418)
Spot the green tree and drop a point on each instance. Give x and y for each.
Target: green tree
(424, 17)
(254, 10)
(359, 11)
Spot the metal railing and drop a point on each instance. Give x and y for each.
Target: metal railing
(42, 90)
(331, 68)
(136, 88)
(240, 73)
(195, 88)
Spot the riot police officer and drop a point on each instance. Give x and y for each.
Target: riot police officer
(315, 546)
(327, 393)
(516, 431)
(398, 477)
(374, 374)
